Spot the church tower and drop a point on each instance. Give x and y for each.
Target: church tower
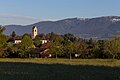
(34, 32)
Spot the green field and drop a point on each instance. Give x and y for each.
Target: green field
(59, 69)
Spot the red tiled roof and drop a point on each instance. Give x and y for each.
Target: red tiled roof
(46, 45)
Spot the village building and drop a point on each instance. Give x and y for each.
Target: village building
(34, 34)
(17, 41)
(13, 40)
(44, 41)
(41, 52)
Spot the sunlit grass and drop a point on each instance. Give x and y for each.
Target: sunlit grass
(59, 69)
(95, 62)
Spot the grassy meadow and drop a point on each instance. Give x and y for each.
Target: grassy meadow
(59, 69)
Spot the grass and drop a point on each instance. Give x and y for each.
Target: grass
(59, 69)
(94, 62)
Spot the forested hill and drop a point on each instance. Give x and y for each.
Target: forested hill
(100, 27)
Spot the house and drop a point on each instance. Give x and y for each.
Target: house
(17, 41)
(14, 40)
(43, 51)
(44, 41)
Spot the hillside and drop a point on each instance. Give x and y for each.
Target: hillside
(100, 27)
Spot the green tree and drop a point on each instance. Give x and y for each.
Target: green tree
(114, 47)
(2, 36)
(3, 43)
(26, 45)
(70, 49)
(26, 42)
(37, 41)
(11, 52)
(69, 36)
(54, 37)
(26, 34)
(100, 49)
(56, 49)
(13, 34)
(3, 39)
(50, 36)
(2, 29)
(81, 47)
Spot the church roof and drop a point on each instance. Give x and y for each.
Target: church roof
(34, 27)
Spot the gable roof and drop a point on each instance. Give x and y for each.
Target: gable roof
(46, 45)
(34, 27)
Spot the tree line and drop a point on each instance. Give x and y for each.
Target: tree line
(62, 46)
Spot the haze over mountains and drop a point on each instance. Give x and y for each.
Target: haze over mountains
(100, 27)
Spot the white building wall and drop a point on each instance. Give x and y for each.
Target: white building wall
(44, 41)
(17, 41)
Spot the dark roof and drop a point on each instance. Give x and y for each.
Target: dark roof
(42, 37)
(18, 38)
(46, 45)
(34, 27)
(11, 40)
(43, 47)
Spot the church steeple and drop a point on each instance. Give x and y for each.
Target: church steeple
(34, 32)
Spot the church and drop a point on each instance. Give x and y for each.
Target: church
(34, 34)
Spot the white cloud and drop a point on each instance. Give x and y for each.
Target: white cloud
(6, 19)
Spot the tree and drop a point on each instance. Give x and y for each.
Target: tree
(11, 52)
(114, 47)
(50, 36)
(54, 37)
(26, 42)
(3, 43)
(99, 49)
(3, 39)
(69, 36)
(70, 49)
(81, 50)
(25, 45)
(37, 41)
(26, 34)
(56, 49)
(13, 34)
(2, 29)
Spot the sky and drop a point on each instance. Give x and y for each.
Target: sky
(24, 12)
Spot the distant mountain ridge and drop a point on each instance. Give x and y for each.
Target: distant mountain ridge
(100, 27)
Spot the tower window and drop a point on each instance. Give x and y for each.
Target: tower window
(35, 30)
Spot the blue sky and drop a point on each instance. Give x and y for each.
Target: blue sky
(30, 11)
